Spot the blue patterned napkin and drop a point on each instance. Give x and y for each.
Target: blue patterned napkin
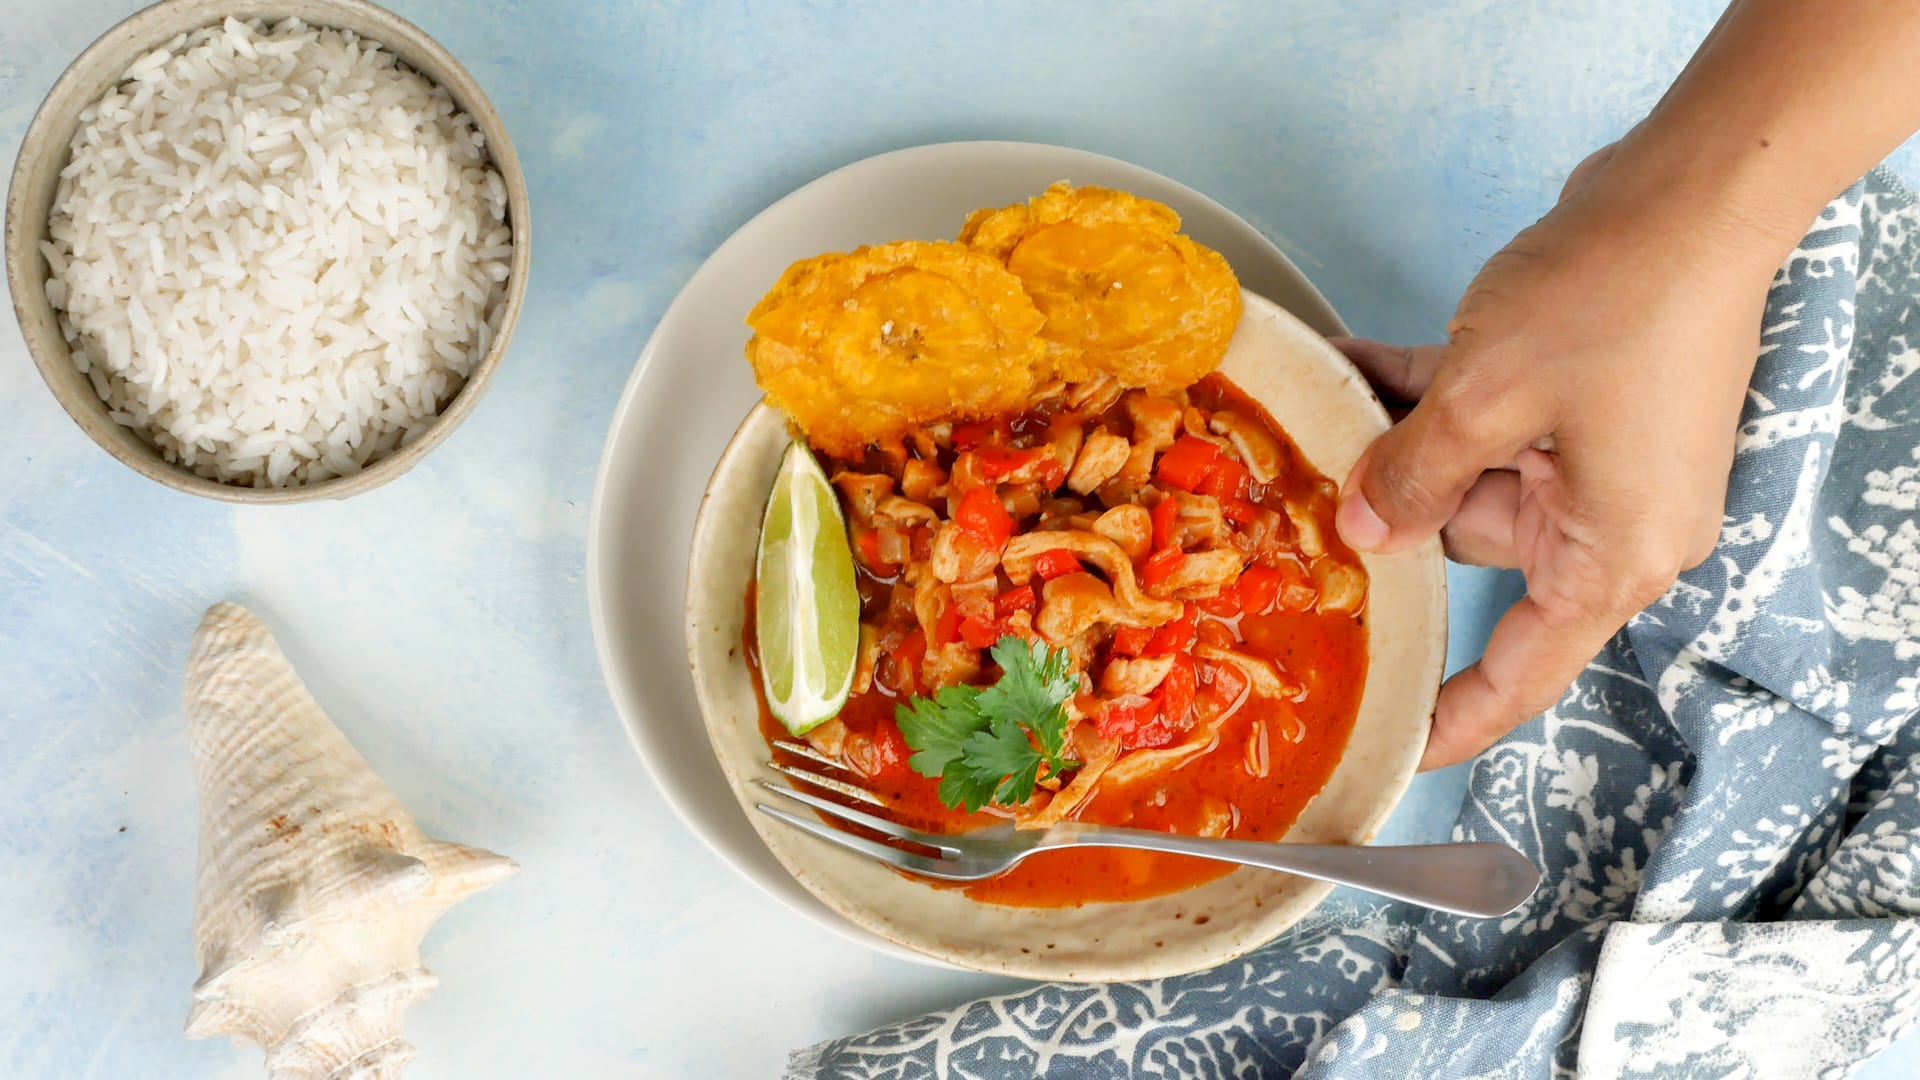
(1726, 805)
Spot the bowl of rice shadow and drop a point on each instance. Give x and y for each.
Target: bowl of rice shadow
(267, 253)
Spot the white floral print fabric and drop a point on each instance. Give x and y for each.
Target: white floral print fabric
(1726, 805)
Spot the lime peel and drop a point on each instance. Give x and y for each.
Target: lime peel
(806, 605)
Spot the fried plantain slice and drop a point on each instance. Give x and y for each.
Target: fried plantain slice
(1123, 292)
(861, 346)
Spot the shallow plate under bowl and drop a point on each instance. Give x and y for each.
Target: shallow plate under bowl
(1324, 405)
(691, 386)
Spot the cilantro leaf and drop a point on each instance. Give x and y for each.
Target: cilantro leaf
(1034, 690)
(936, 727)
(980, 742)
(1003, 754)
(960, 789)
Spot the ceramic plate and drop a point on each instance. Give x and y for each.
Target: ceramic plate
(692, 385)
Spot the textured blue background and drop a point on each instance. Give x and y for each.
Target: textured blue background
(1387, 147)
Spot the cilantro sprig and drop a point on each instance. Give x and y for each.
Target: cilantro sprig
(988, 744)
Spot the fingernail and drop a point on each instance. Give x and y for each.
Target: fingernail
(1359, 526)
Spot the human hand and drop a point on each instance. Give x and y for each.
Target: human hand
(1578, 425)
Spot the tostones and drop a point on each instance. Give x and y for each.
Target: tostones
(1123, 292)
(861, 346)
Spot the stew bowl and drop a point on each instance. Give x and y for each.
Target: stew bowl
(1327, 409)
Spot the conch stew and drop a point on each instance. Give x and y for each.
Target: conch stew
(1180, 552)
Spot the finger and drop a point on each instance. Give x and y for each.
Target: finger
(1481, 532)
(1399, 372)
(1410, 481)
(1530, 661)
(1578, 598)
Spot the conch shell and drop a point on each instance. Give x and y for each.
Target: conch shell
(315, 884)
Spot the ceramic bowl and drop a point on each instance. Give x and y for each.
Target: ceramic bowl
(1327, 408)
(45, 151)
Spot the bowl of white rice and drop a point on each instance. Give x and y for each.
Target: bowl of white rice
(267, 254)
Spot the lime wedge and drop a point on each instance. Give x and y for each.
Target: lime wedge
(806, 607)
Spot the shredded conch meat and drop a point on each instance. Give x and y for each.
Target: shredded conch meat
(1088, 523)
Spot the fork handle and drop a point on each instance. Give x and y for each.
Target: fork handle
(1479, 880)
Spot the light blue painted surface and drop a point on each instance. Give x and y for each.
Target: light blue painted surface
(1389, 148)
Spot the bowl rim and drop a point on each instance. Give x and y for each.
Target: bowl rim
(50, 133)
(1391, 787)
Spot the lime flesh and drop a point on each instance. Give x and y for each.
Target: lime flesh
(806, 605)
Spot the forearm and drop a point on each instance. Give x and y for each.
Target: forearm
(1784, 105)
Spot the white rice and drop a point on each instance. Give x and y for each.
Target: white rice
(277, 252)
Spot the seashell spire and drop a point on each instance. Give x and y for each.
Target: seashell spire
(315, 884)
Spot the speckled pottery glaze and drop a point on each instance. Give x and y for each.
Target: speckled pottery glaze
(1327, 409)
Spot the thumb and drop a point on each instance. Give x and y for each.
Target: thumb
(1409, 483)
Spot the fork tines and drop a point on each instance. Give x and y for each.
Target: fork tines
(900, 846)
(901, 857)
(827, 783)
(883, 826)
(800, 749)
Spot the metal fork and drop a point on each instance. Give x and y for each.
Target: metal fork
(1478, 880)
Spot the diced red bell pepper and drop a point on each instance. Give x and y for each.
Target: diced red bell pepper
(1132, 720)
(1225, 606)
(1238, 511)
(978, 633)
(1175, 695)
(1020, 599)
(1165, 515)
(999, 461)
(871, 556)
(1056, 563)
(971, 435)
(906, 660)
(1259, 588)
(1229, 680)
(1119, 717)
(1176, 636)
(1161, 565)
(1227, 479)
(890, 749)
(1131, 640)
(1052, 473)
(1186, 462)
(983, 518)
(1223, 687)
(1155, 732)
(946, 629)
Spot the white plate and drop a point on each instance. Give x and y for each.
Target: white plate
(692, 385)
